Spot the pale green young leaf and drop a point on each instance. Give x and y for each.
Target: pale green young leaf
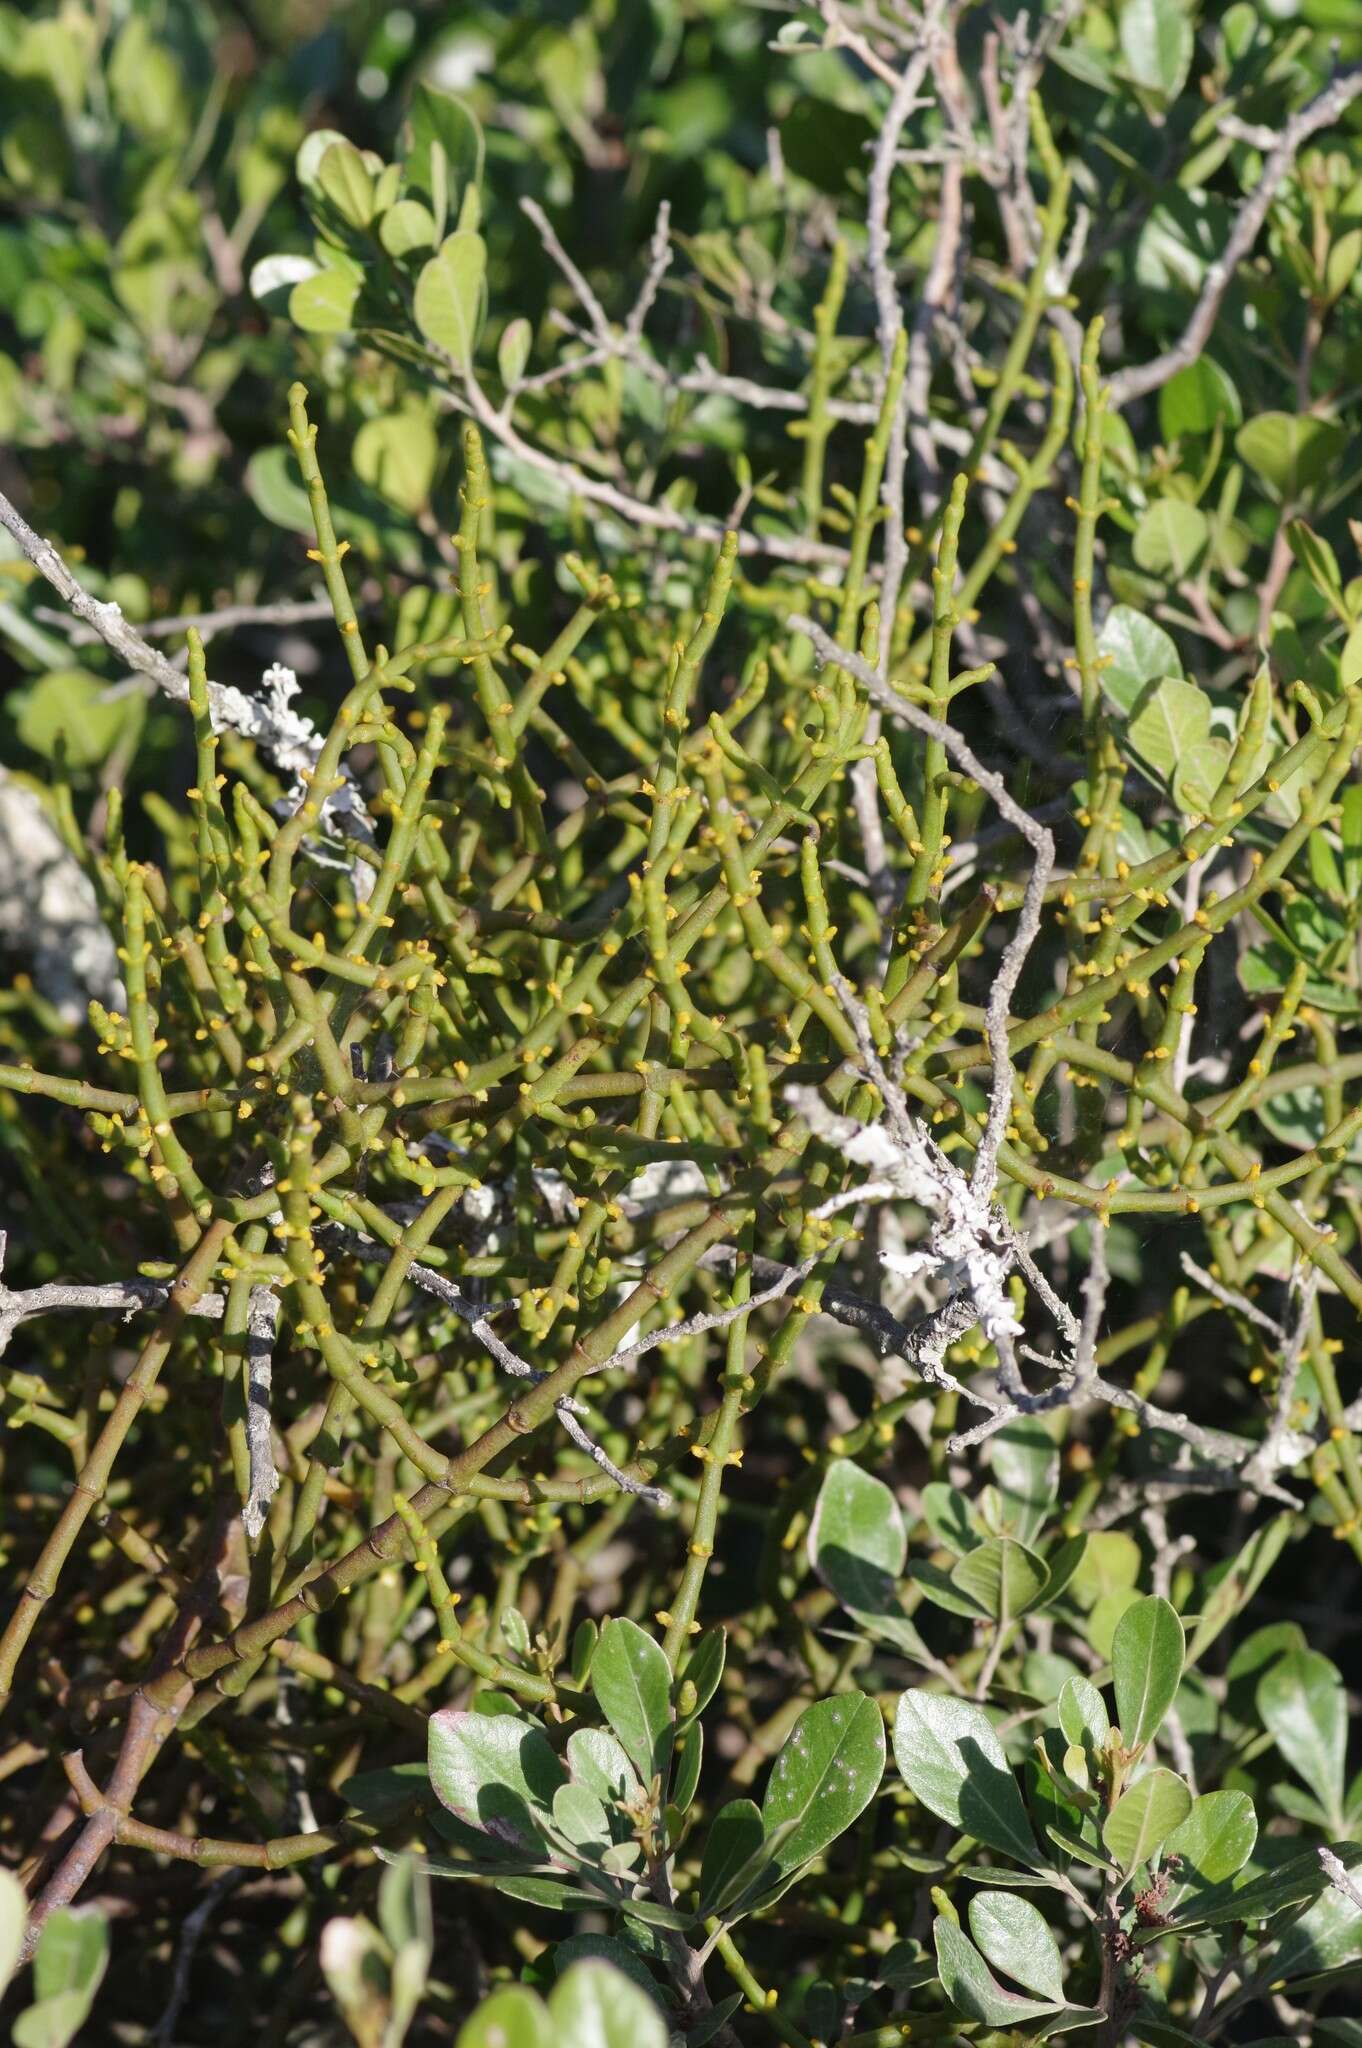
(72, 1952)
(1199, 398)
(396, 455)
(513, 351)
(324, 303)
(449, 295)
(1082, 1713)
(1144, 1816)
(1135, 651)
(344, 179)
(1289, 452)
(597, 1761)
(406, 226)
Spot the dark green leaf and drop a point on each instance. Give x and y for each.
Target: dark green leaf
(495, 1771)
(825, 1776)
(1303, 1706)
(953, 1763)
(1146, 1659)
(632, 1682)
(1016, 1939)
(1217, 1837)
(971, 1986)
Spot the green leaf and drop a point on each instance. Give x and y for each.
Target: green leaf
(1170, 730)
(632, 1683)
(1232, 1590)
(735, 1839)
(449, 295)
(495, 1771)
(1305, 1710)
(971, 1986)
(596, 2006)
(513, 2017)
(1288, 453)
(1025, 1461)
(1106, 1616)
(1156, 45)
(686, 1764)
(396, 454)
(311, 150)
(68, 1966)
(705, 1667)
(1062, 1566)
(513, 352)
(440, 125)
(587, 1633)
(953, 1763)
(325, 302)
(581, 1818)
(145, 83)
(1146, 1665)
(344, 179)
(1144, 1816)
(1325, 1937)
(1217, 1837)
(606, 1948)
(53, 2022)
(1004, 1577)
(71, 713)
(408, 225)
(948, 1515)
(1082, 1714)
(857, 1546)
(1171, 538)
(940, 1588)
(596, 1760)
(1318, 560)
(1198, 399)
(1110, 1564)
(857, 1541)
(1135, 652)
(825, 1776)
(1015, 1937)
(72, 1953)
(1293, 1883)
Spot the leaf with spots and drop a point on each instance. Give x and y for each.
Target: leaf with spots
(825, 1776)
